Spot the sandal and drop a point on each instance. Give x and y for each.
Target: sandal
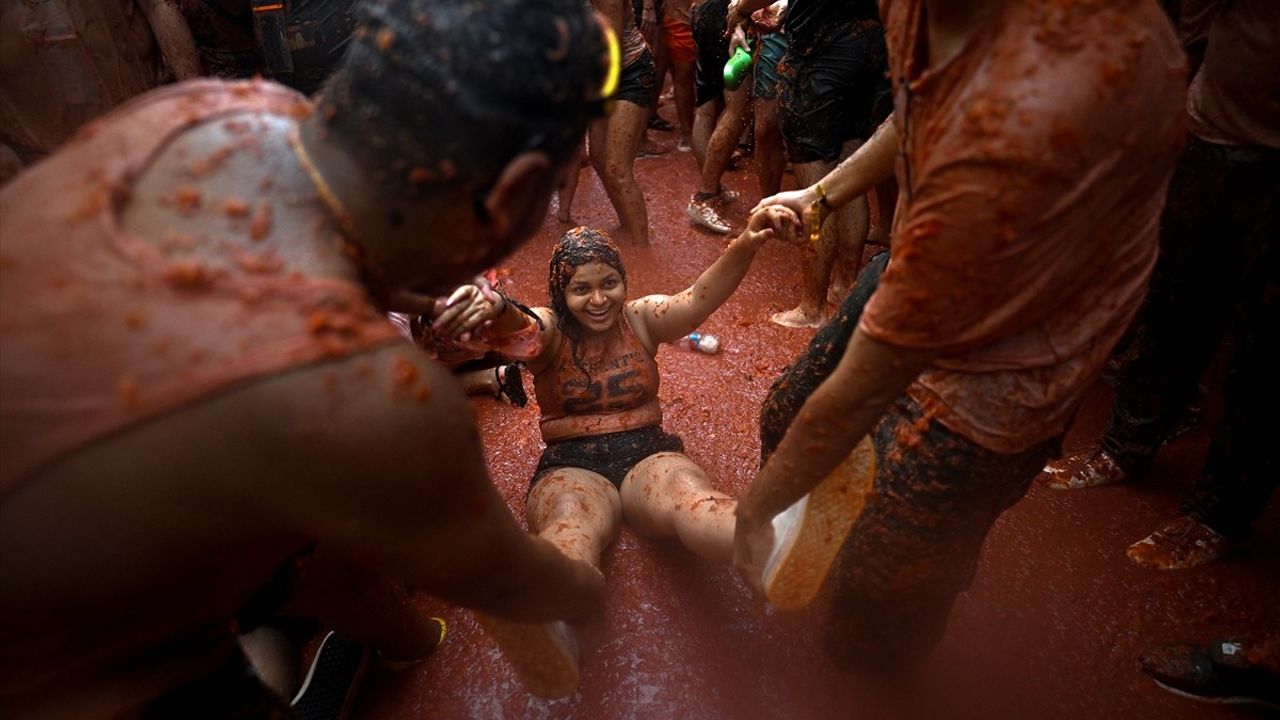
(657, 123)
(510, 385)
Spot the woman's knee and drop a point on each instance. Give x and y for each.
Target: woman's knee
(566, 493)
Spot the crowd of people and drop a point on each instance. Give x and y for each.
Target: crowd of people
(240, 318)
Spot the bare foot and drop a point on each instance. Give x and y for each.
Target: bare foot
(651, 148)
(837, 293)
(798, 318)
(878, 236)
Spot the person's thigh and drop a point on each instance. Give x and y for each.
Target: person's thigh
(638, 83)
(917, 543)
(659, 465)
(574, 492)
(765, 86)
(712, 50)
(826, 97)
(794, 386)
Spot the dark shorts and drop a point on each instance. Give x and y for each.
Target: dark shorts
(826, 96)
(611, 455)
(937, 494)
(638, 83)
(708, 19)
(774, 46)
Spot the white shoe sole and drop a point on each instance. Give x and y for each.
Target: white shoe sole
(809, 534)
(544, 655)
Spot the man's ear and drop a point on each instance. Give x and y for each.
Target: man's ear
(518, 192)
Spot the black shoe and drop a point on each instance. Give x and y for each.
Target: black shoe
(329, 690)
(1221, 673)
(657, 123)
(510, 384)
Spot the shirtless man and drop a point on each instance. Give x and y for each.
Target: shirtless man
(200, 397)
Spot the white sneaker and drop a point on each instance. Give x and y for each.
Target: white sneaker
(701, 212)
(809, 534)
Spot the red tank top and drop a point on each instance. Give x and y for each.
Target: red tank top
(102, 329)
(618, 391)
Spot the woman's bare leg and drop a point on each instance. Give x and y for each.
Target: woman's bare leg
(668, 495)
(576, 510)
(579, 512)
(612, 148)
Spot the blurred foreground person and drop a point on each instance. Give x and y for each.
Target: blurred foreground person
(201, 400)
(64, 63)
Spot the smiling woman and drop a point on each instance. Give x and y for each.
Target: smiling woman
(607, 456)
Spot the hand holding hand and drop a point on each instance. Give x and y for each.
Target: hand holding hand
(774, 221)
(466, 310)
(804, 203)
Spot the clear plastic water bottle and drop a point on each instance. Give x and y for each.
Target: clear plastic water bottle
(702, 342)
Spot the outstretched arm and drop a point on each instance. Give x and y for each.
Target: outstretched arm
(844, 408)
(668, 318)
(395, 478)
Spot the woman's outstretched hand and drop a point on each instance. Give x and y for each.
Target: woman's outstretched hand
(466, 310)
(774, 221)
(802, 203)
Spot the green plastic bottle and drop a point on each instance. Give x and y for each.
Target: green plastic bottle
(737, 69)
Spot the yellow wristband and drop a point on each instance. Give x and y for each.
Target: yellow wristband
(822, 194)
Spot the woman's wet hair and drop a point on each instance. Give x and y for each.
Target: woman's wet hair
(576, 248)
(440, 91)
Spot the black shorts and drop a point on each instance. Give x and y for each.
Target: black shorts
(826, 96)
(708, 20)
(612, 455)
(638, 83)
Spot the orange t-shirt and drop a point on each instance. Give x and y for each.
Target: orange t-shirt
(617, 392)
(1035, 169)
